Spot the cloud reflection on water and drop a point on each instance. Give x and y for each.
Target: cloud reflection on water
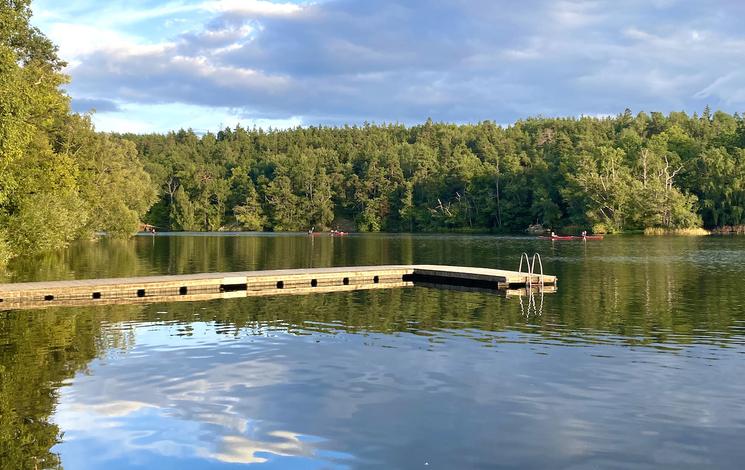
(283, 395)
(187, 407)
(238, 449)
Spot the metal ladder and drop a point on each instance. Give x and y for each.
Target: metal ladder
(530, 266)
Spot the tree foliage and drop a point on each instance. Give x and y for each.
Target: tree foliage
(608, 174)
(59, 179)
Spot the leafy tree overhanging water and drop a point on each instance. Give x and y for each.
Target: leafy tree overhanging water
(59, 179)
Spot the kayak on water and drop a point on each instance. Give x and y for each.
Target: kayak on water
(570, 237)
(559, 237)
(333, 234)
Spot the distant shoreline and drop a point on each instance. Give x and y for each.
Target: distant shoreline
(673, 232)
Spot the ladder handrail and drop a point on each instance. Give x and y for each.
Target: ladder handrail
(540, 264)
(529, 276)
(527, 262)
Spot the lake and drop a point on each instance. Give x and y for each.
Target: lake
(638, 361)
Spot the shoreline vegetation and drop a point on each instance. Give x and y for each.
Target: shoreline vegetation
(60, 180)
(691, 232)
(697, 231)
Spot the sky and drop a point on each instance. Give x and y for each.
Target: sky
(159, 65)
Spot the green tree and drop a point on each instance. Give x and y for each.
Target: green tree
(285, 210)
(116, 189)
(59, 180)
(183, 211)
(603, 186)
(250, 214)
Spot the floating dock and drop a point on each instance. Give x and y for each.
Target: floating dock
(258, 283)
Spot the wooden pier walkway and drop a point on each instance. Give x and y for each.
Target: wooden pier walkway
(254, 283)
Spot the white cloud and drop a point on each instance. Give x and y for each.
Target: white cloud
(108, 122)
(575, 14)
(729, 88)
(142, 118)
(75, 40)
(252, 7)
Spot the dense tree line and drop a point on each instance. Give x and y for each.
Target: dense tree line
(59, 179)
(604, 174)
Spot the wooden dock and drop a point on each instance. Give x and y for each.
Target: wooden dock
(256, 283)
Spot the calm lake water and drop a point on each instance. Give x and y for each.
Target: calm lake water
(638, 361)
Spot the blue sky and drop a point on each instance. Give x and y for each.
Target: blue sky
(148, 65)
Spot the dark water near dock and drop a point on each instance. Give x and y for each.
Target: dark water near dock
(638, 361)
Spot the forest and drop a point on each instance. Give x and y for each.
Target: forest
(61, 180)
(614, 174)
